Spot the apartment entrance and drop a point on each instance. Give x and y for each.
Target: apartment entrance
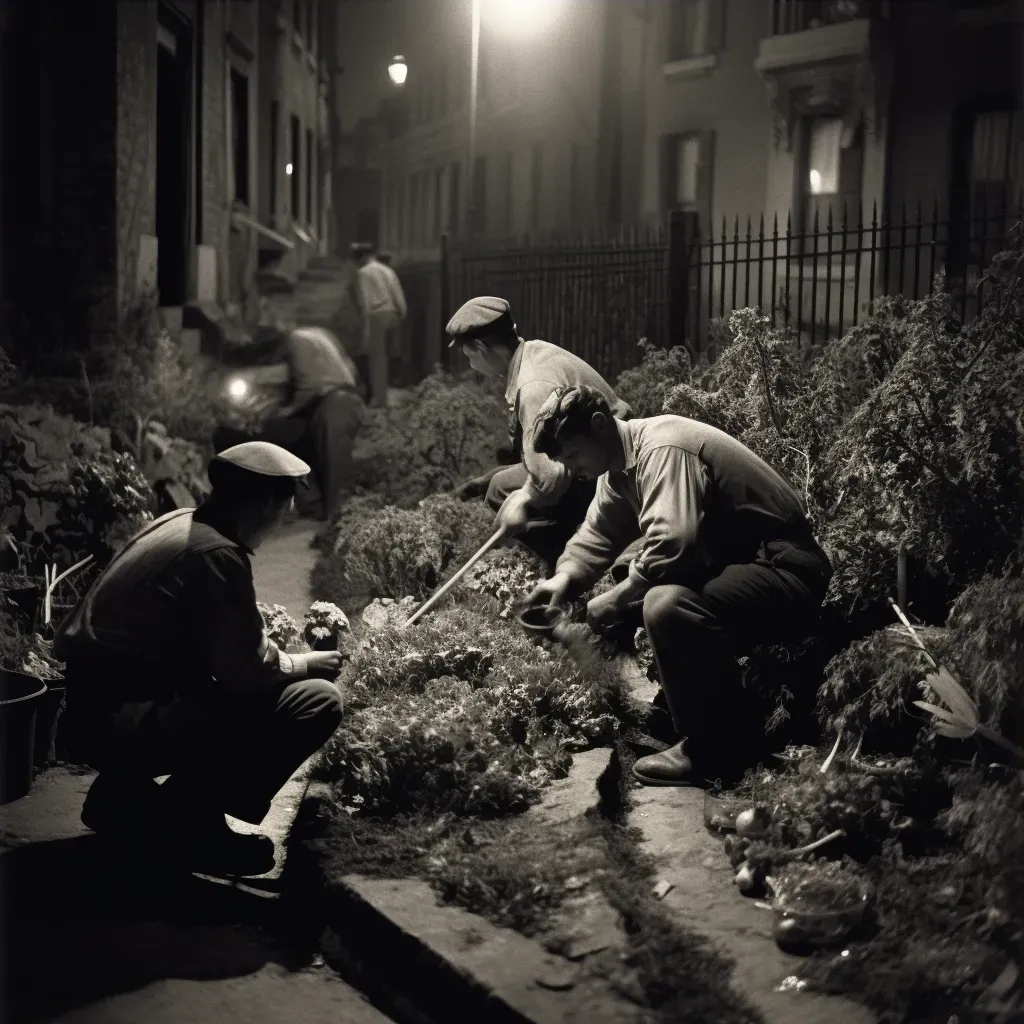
(173, 155)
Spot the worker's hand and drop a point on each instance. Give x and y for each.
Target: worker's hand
(604, 611)
(513, 516)
(323, 664)
(551, 592)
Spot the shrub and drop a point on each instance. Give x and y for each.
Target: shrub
(386, 551)
(445, 433)
(144, 377)
(645, 386)
(71, 496)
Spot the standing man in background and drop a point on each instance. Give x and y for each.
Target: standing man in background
(384, 304)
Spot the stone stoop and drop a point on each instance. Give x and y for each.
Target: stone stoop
(455, 965)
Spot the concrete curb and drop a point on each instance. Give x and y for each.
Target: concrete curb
(422, 963)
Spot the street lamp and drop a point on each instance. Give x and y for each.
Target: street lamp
(398, 70)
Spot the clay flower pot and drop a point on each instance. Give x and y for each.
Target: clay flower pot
(541, 620)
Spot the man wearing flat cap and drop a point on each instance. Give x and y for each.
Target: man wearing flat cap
(170, 672)
(538, 490)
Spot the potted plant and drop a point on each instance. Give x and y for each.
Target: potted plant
(324, 625)
(21, 594)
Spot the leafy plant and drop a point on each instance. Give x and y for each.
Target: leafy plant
(280, 626)
(70, 494)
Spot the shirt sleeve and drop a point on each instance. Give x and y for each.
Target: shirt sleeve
(609, 526)
(672, 484)
(229, 629)
(548, 480)
(303, 390)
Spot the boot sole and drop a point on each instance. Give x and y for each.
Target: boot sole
(648, 781)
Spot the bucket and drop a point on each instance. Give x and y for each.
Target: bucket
(540, 620)
(20, 696)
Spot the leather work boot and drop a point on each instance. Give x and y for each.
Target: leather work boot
(671, 767)
(119, 805)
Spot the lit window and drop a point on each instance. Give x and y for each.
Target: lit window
(823, 152)
(689, 163)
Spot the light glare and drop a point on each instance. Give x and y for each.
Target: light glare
(521, 16)
(238, 387)
(288, 168)
(398, 70)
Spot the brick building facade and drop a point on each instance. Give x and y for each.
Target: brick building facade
(157, 146)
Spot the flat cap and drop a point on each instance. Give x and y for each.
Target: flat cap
(482, 317)
(263, 458)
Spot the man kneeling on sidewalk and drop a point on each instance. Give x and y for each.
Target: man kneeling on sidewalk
(170, 672)
(727, 562)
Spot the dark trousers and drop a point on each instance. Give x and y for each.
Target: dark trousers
(698, 632)
(230, 755)
(548, 541)
(323, 435)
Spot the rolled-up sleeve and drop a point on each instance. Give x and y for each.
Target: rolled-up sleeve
(671, 482)
(229, 629)
(548, 480)
(609, 526)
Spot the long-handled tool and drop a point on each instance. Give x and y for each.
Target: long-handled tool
(423, 609)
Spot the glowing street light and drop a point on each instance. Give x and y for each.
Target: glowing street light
(522, 17)
(398, 70)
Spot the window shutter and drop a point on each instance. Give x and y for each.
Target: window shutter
(705, 176)
(716, 25)
(670, 170)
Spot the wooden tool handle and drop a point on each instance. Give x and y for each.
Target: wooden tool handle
(423, 609)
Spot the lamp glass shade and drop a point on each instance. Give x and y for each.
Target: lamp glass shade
(398, 70)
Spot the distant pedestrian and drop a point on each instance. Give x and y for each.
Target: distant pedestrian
(385, 308)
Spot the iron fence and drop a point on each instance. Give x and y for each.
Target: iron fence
(821, 281)
(598, 295)
(595, 296)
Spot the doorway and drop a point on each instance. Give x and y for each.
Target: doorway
(173, 100)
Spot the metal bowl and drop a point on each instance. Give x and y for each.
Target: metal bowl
(816, 924)
(540, 620)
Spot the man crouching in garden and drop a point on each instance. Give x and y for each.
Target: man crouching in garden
(728, 561)
(536, 491)
(170, 672)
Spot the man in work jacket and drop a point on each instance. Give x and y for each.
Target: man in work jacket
(727, 561)
(170, 672)
(319, 420)
(538, 488)
(384, 308)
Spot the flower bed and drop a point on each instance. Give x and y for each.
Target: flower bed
(904, 439)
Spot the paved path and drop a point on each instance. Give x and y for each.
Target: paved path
(94, 940)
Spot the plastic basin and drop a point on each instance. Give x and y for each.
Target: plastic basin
(20, 697)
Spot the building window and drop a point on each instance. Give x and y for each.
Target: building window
(399, 225)
(240, 135)
(687, 172)
(297, 12)
(832, 173)
(310, 188)
(275, 144)
(536, 183)
(294, 166)
(414, 208)
(689, 28)
(995, 169)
